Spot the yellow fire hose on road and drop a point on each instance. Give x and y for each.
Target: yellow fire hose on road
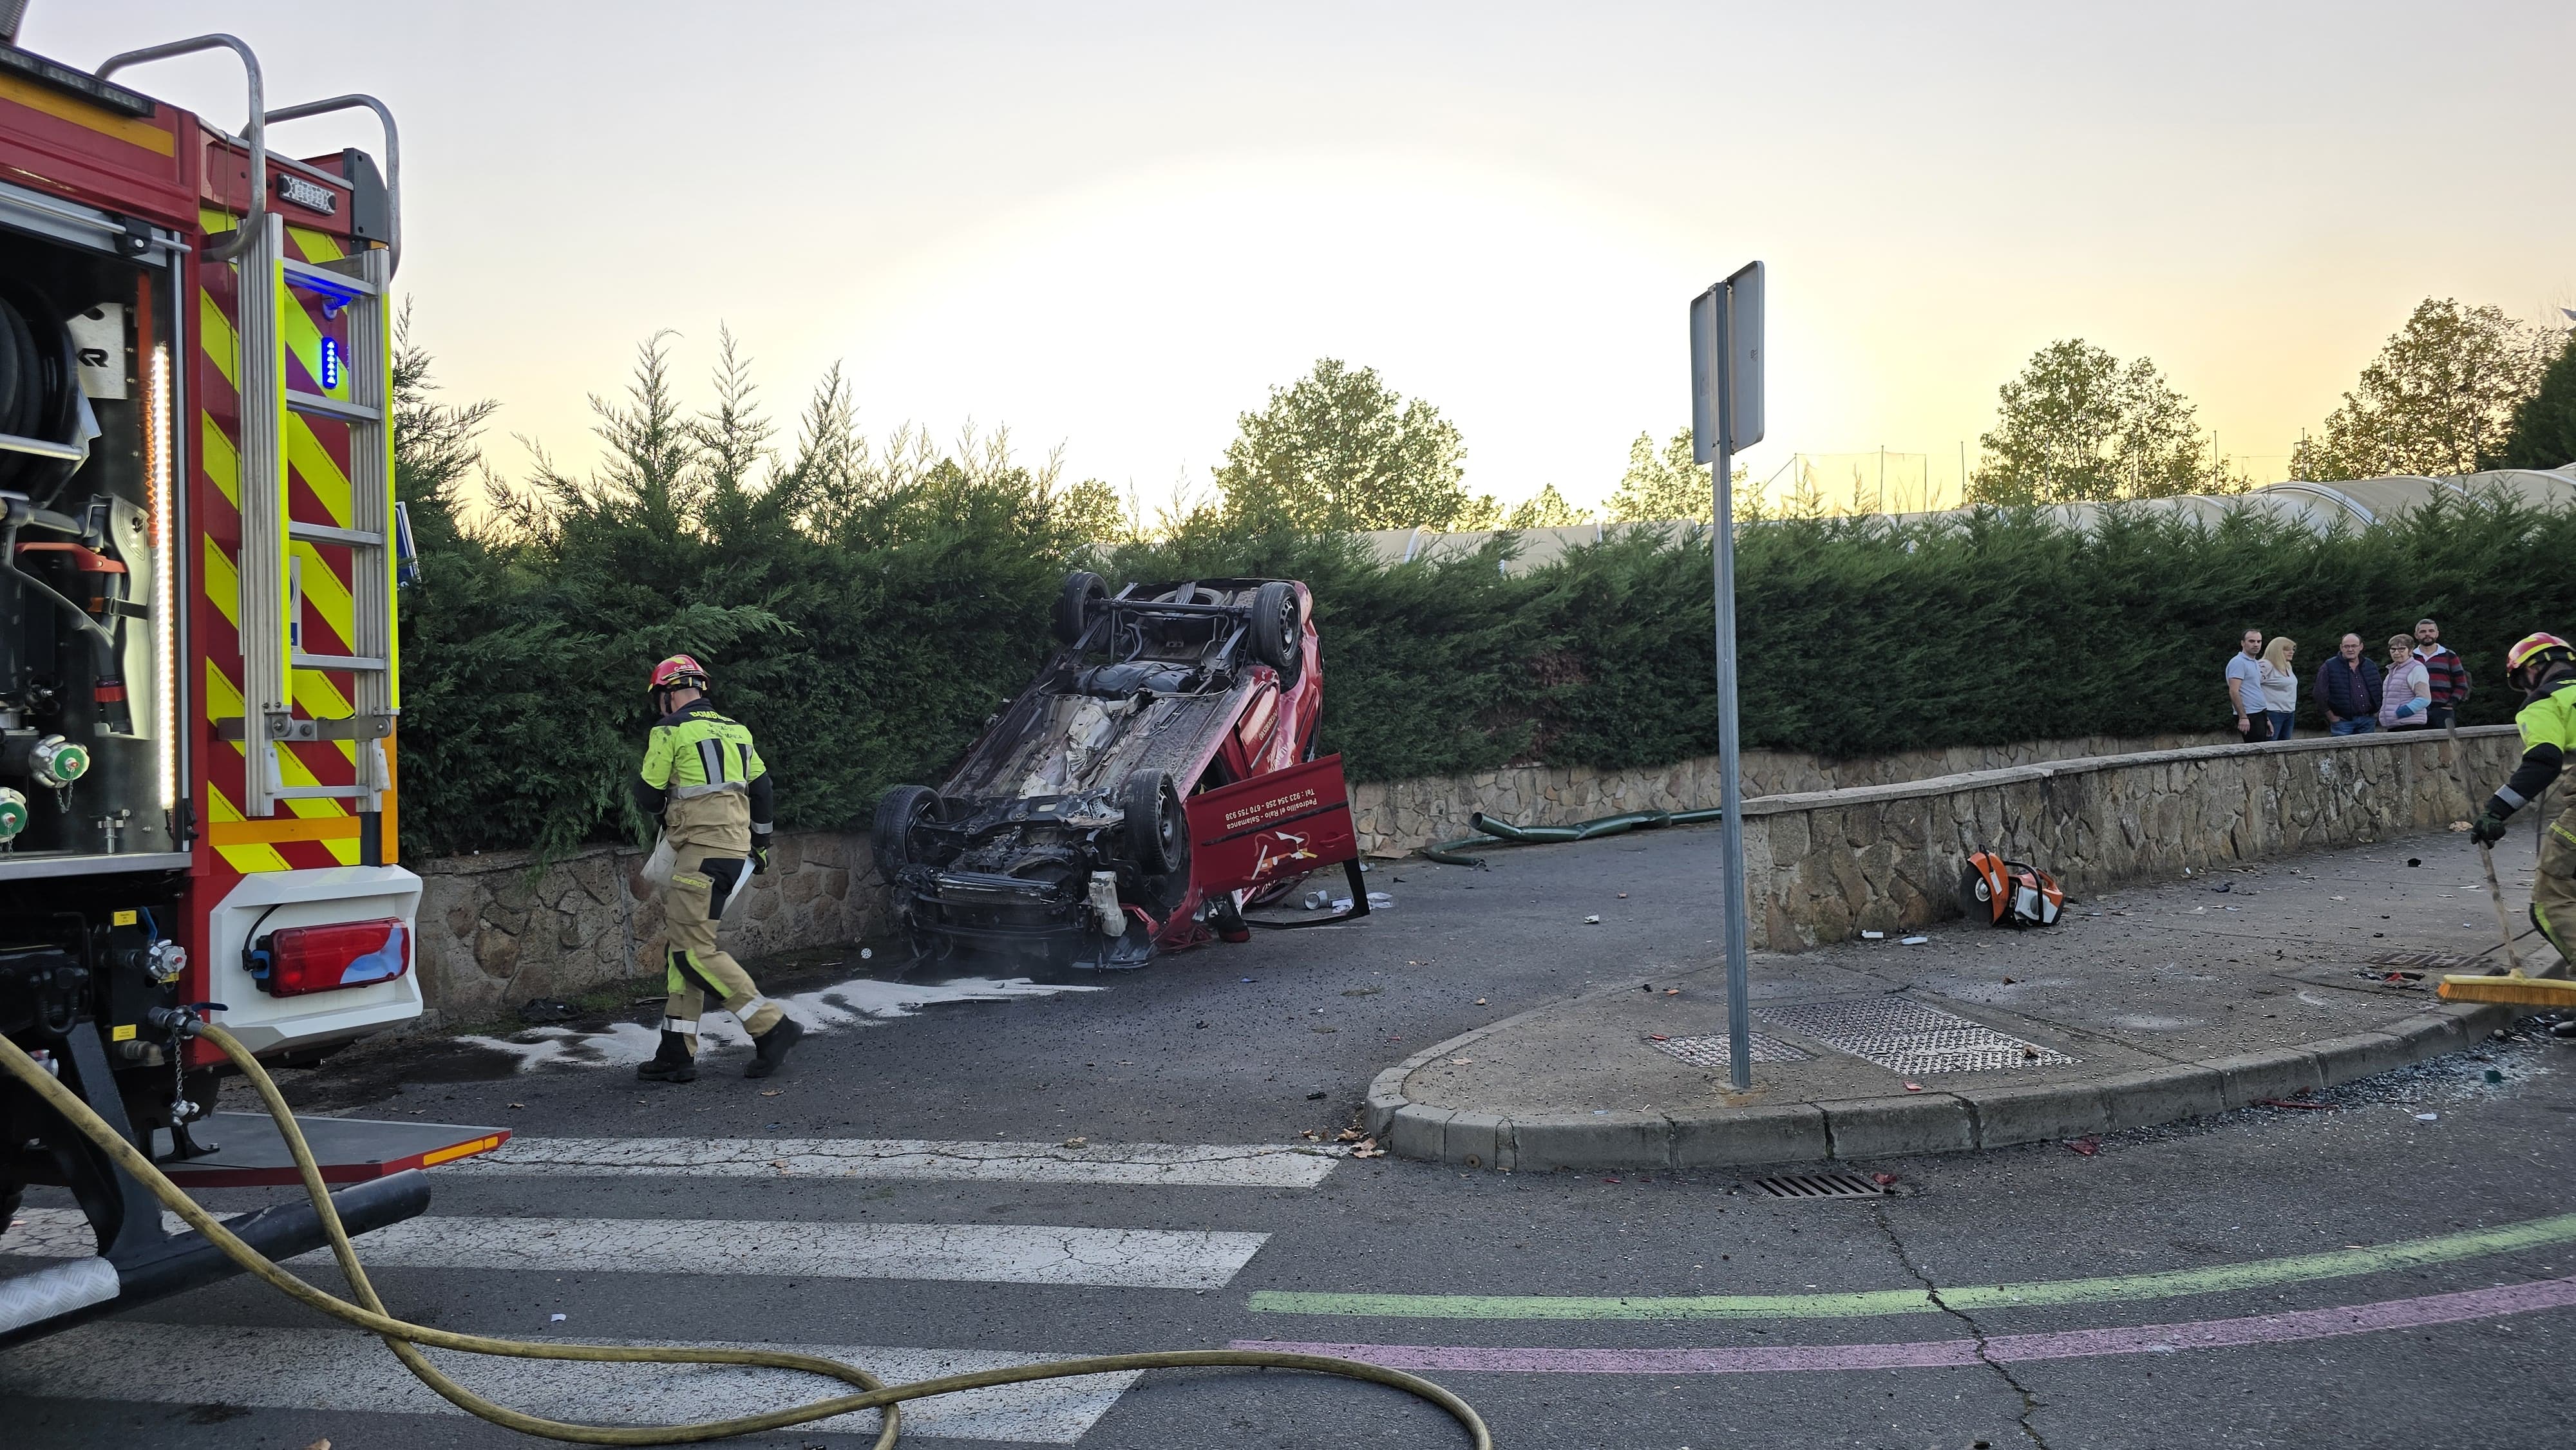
(405, 1339)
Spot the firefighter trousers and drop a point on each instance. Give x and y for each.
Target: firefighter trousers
(696, 968)
(2553, 886)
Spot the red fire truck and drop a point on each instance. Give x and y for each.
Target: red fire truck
(199, 686)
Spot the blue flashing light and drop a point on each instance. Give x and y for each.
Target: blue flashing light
(330, 364)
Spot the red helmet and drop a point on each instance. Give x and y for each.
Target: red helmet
(2531, 646)
(679, 672)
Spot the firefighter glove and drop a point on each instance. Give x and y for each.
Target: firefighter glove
(760, 854)
(2487, 829)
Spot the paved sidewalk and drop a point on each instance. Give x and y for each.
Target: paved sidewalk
(2142, 1006)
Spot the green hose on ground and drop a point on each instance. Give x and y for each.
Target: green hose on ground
(405, 1338)
(1492, 832)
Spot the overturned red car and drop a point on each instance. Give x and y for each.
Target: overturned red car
(1155, 780)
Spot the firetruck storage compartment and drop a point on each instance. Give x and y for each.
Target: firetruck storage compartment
(88, 743)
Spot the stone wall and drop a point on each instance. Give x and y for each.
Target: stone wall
(1831, 848)
(1824, 865)
(1401, 817)
(495, 933)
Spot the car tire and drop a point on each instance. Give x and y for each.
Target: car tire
(1075, 608)
(1278, 628)
(898, 812)
(1158, 829)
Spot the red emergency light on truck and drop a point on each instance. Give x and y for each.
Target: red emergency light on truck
(199, 672)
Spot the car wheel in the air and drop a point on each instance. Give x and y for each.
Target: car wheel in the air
(1278, 630)
(898, 812)
(1079, 604)
(1158, 829)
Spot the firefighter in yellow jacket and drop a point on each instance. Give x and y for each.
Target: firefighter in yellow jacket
(704, 780)
(2543, 667)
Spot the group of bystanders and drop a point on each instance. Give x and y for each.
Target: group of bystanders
(2422, 686)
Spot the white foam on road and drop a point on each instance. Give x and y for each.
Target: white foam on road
(339, 1371)
(856, 1002)
(1183, 1165)
(983, 1253)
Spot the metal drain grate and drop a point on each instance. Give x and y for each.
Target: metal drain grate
(1712, 1051)
(1909, 1037)
(2418, 961)
(1818, 1185)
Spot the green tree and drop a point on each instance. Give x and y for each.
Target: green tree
(1545, 509)
(2077, 425)
(2544, 427)
(1340, 450)
(2438, 399)
(1663, 484)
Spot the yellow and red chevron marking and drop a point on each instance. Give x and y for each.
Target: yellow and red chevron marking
(313, 833)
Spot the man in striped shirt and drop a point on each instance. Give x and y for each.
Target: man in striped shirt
(705, 781)
(2450, 674)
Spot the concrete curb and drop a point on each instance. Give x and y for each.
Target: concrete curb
(1986, 1115)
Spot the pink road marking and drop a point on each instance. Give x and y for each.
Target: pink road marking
(2289, 1328)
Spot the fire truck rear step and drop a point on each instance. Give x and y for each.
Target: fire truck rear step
(248, 1152)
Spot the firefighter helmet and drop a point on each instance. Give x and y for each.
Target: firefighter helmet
(2533, 647)
(679, 672)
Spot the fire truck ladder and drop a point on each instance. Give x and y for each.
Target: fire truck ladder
(361, 397)
(271, 602)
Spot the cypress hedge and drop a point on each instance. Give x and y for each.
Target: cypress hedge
(870, 650)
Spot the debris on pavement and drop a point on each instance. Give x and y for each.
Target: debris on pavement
(1591, 921)
(1912, 941)
(1368, 1148)
(2085, 1146)
(537, 1011)
(2427, 1117)
(1077, 1142)
(1873, 936)
(1315, 1097)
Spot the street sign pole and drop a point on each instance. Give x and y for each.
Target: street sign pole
(1726, 414)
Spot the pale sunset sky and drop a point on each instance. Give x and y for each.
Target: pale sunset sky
(1114, 226)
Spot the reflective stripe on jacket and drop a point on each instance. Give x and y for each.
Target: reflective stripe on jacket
(695, 751)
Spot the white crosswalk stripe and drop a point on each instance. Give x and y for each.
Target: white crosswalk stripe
(336, 1370)
(331, 1369)
(1172, 1165)
(976, 1253)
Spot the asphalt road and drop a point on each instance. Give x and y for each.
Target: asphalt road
(2248, 1338)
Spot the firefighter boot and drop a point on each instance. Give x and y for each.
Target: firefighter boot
(769, 1049)
(673, 1063)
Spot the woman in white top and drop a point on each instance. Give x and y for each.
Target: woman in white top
(2280, 685)
(2406, 696)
